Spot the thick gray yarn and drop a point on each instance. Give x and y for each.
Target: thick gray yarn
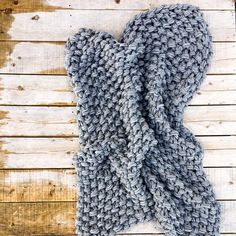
(137, 162)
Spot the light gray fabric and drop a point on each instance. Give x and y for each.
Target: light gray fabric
(137, 162)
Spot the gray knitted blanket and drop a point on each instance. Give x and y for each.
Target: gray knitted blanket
(137, 162)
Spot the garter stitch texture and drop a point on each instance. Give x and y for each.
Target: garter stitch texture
(137, 162)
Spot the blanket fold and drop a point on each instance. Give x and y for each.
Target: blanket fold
(137, 162)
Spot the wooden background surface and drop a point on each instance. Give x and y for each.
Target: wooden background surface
(38, 132)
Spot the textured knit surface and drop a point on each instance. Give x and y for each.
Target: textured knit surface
(137, 162)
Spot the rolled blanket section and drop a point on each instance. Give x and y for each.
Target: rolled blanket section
(137, 162)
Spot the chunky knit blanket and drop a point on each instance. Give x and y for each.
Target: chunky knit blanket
(137, 162)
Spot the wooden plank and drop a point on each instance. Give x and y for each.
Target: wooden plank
(219, 83)
(35, 90)
(60, 24)
(136, 4)
(61, 121)
(37, 185)
(33, 153)
(37, 218)
(58, 218)
(210, 113)
(25, 121)
(37, 152)
(30, 5)
(219, 158)
(55, 90)
(212, 127)
(212, 158)
(214, 98)
(48, 58)
(59, 185)
(218, 142)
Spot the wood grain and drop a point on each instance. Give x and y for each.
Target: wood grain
(37, 218)
(37, 185)
(61, 121)
(48, 58)
(58, 218)
(60, 24)
(34, 153)
(55, 90)
(60, 184)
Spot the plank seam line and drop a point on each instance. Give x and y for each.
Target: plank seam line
(74, 201)
(62, 75)
(235, 14)
(62, 42)
(114, 9)
(74, 105)
(77, 136)
(72, 169)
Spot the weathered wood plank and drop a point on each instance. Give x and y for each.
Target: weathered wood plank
(48, 58)
(61, 121)
(35, 90)
(55, 90)
(59, 185)
(212, 127)
(37, 152)
(219, 158)
(58, 218)
(136, 4)
(218, 142)
(214, 98)
(37, 185)
(214, 113)
(59, 25)
(31, 5)
(212, 158)
(33, 153)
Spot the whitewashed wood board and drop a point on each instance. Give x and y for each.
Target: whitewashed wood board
(33, 153)
(49, 58)
(37, 184)
(47, 5)
(137, 4)
(61, 121)
(56, 90)
(59, 25)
